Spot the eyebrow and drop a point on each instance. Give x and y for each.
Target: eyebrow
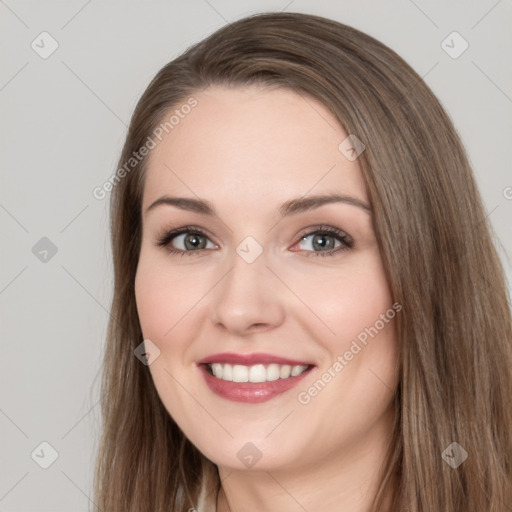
(291, 207)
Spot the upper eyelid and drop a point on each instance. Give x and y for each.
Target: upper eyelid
(173, 233)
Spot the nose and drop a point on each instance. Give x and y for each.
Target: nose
(247, 299)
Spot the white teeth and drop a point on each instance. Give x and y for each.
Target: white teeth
(240, 373)
(273, 372)
(297, 370)
(217, 370)
(285, 371)
(255, 373)
(227, 372)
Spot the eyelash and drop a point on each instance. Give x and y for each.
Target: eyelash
(346, 240)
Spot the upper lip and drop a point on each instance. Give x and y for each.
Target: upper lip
(251, 359)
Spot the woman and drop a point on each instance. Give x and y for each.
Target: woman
(309, 312)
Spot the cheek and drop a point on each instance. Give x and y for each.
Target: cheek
(152, 302)
(355, 385)
(163, 296)
(162, 305)
(348, 302)
(356, 308)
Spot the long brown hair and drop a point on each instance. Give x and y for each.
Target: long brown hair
(454, 331)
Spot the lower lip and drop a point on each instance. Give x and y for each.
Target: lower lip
(250, 392)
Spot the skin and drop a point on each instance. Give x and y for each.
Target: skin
(247, 150)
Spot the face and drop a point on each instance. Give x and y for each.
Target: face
(284, 295)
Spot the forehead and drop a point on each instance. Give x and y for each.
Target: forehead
(252, 144)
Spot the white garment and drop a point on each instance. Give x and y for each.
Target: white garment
(201, 502)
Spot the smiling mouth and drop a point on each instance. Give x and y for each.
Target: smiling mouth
(255, 373)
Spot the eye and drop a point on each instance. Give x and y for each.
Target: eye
(318, 241)
(185, 240)
(325, 241)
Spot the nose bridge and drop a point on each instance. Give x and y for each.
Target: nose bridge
(247, 280)
(244, 297)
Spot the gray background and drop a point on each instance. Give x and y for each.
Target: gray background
(63, 123)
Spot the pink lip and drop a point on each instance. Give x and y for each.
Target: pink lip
(249, 392)
(250, 359)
